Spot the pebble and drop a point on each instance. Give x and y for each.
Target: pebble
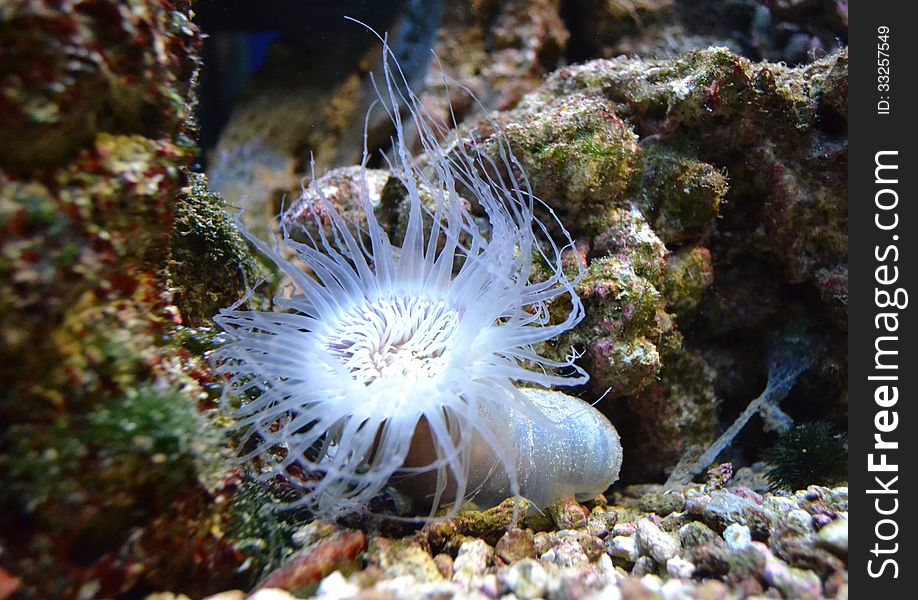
(737, 536)
(779, 504)
(834, 537)
(228, 595)
(622, 547)
(471, 561)
(407, 587)
(567, 513)
(654, 542)
(444, 564)
(799, 521)
(568, 553)
(643, 566)
(697, 533)
(271, 594)
(601, 521)
(609, 592)
(607, 571)
(793, 583)
(652, 583)
(726, 507)
(675, 589)
(336, 587)
(526, 578)
(325, 554)
(515, 545)
(398, 557)
(679, 567)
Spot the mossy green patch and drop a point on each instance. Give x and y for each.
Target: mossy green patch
(577, 155)
(210, 264)
(808, 454)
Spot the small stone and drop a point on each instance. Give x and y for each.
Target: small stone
(444, 564)
(793, 583)
(749, 494)
(406, 587)
(399, 557)
(712, 589)
(542, 541)
(336, 587)
(820, 520)
(568, 553)
(601, 521)
(799, 521)
(642, 566)
(834, 537)
(679, 567)
(487, 585)
(471, 561)
(654, 542)
(271, 594)
(710, 560)
(633, 588)
(652, 582)
(515, 545)
(729, 506)
(526, 578)
(779, 504)
(622, 547)
(606, 569)
(9, 584)
(662, 503)
(303, 572)
(228, 595)
(609, 592)
(696, 533)
(574, 583)
(567, 513)
(626, 529)
(675, 589)
(750, 561)
(672, 522)
(737, 536)
(801, 551)
(592, 546)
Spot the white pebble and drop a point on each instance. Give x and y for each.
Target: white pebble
(526, 578)
(737, 536)
(336, 587)
(622, 547)
(679, 567)
(271, 594)
(654, 542)
(799, 520)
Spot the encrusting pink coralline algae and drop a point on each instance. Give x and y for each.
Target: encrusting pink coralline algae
(383, 339)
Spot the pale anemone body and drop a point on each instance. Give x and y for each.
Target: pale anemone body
(380, 337)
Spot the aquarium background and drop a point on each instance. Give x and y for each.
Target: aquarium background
(695, 150)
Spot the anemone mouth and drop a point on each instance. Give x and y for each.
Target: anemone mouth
(399, 336)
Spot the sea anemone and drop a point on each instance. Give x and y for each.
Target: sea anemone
(385, 347)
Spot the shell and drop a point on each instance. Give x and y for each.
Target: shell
(574, 451)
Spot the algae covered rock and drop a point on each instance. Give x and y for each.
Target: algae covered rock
(110, 460)
(778, 31)
(576, 152)
(725, 198)
(67, 75)
(210, 262)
